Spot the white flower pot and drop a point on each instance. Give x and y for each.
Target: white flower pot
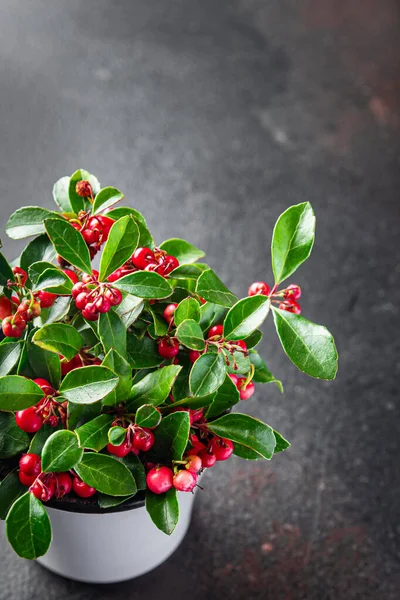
(111, 546)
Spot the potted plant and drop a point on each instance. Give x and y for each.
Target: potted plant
(119, 387)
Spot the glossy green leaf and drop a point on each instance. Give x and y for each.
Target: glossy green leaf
(69, 243)
(60, 194)
(10, 353)
(292, 240)
(309, 346)
(193, 402)
(163, 510)
(144, 284)
(211, 288)
(106, 197)
(94, 434)
(154, 388)
(45, 276)
(60, 338)
(171, 437)
(107, 474)
(237, 363)
(12, 439)
(261, 372)
(123, 211)
(147, 416)
(247, 431)
(10, 490)
(122, 242)
(112, 332)
(40, 438)
(143, 353)
(6, 272)
(208, 374)
(189, 308)
(38, 250)
(105, 501)
(44, 364)
(17, 393)
(190, 334)
(116, 435)
(135, 465)
(61, 452)
(129, 309)
(28, 527)
(227, 396)
(76, 201)
(186, 272)
(29, 221)
(254, 339)
(211, 314)
(159, 327)
(185, 253)
(55, 313)
(245, 317)
(88, 384)
(281, 443)
(114, 361)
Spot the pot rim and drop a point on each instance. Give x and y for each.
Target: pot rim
(138, 501)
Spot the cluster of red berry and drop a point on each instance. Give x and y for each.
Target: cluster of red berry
(47, 410)
(93, 297)
(46, 485)
(145, 259)
(137, 439)
(287, 299)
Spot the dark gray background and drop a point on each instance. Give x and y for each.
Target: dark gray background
(213, 117)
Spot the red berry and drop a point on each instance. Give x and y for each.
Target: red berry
(216, 331)
(168, 347)
(30, 464)
(143, 257)
(196, 415)
(169, 312)
(46, 299)
(81, 300)
(63, 484)
(53, 421)
(193, 355)
(90, 278)
(194, 463)
(72, 275)
(83, 188)
(119, 451)
(44, 385)
(259, 287)
(82, 489)
(90, 312)
(43, 491)
(159, 480)
(222, 448)
(170, 263)
(197, 448)
(247, 391)
(185, 481)
(234, 378)
(91, 236)
(28, 420)
(292, 291)
(26, 479)
(143, 439)
(105, 225)
(115, 276)
(114, 296)
(21, 276)
(202, 301)
(78, 288)
(241, 344)
(208, 458)
(10, 327)
(292, 306)
(5, 307)
(103, 305)
(74, 363)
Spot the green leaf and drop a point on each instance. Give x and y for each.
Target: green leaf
(186, 272)
(29, 221)
(182, 250)
(12, 439)
(159, 325)
(18, 393)
(122, 242)
(189, 334)
(106, 197)
(61, 452)
(114, 361)
(246, 453)
(211, 314)
(40, 438)
(106, 501)
(154, 388)
(227, 396)
(253, 339)
(10, 490)
(208, 374)
(87, 385)
(69, 243)
(281, 443)
(171, 437)
(247, 431)
(147, 416)
(309, 346)
(129, 309)
(44, 364)
(112, 332)
(292, 240)
(38, 250)
(211, 288)
(6, 272)
(76, 201)
(116, 435)
(245, 317)
(261, 372)
(60, 338)
(28, 527)
(193, 402)
(107, 474)
(45, 276)
(94, 434)
(163, 510)
(189, 308)
(123, 211)
(144, 284)
(60, 194)
(55, 313)
(135, 465)
(10, 353)
(143, 354)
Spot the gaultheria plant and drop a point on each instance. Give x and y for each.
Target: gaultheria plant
(125, 380)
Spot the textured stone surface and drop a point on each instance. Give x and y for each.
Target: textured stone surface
(213, 117)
